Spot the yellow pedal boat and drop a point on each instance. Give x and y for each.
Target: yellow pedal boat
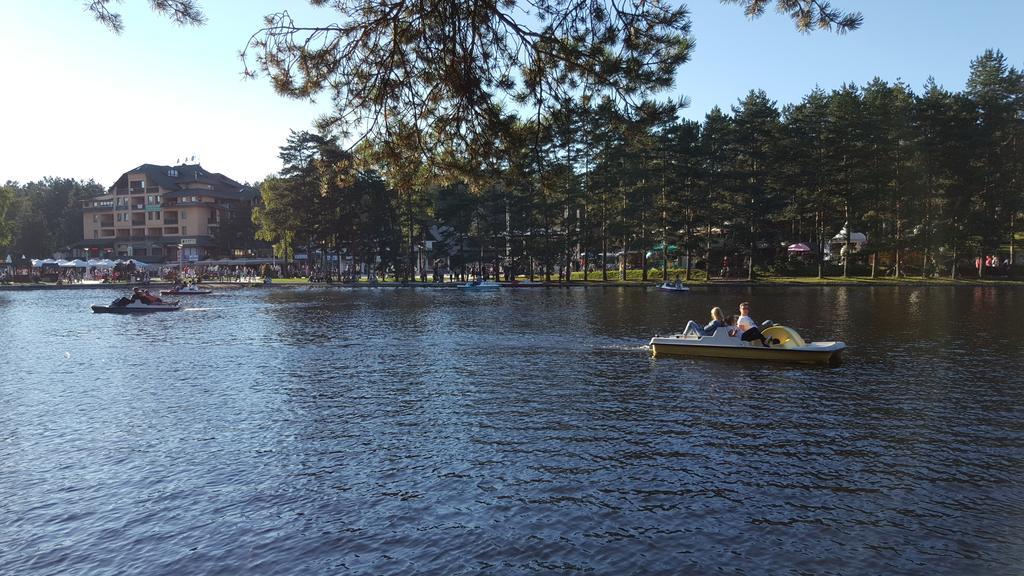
(786, 346)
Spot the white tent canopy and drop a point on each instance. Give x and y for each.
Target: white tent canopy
(837, 245)
(76, 263)
(857, 238)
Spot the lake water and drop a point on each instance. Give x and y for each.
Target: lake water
(397, 431)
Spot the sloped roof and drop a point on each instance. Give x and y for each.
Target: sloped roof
(176, 180)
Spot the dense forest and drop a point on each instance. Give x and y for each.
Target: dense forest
(39, 218)
(932, 178)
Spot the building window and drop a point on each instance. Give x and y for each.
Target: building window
(184, 215)
(184, 230)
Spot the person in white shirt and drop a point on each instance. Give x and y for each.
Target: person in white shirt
(747, 327)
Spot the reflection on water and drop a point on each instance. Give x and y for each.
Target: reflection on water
(311, 430)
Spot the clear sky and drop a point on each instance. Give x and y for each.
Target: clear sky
(78, 101)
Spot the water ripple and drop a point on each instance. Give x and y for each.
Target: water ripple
(433, 431)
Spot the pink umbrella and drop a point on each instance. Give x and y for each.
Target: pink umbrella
(798, 247)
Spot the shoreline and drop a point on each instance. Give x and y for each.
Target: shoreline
(764, 282)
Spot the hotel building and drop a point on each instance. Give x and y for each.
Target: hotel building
(152, 212)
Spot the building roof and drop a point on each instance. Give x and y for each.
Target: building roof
(176, 181)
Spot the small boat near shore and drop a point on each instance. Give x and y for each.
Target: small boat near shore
(786, 345)
(189, 289)
(671, 287)
(137, 307)
(484, 285)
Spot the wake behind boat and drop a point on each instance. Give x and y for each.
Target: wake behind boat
(187, 289)
(785, 345)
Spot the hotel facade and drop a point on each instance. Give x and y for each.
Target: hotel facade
(164, 214)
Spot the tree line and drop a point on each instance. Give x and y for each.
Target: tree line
(424, 89)
(932, 178)
(39, 218)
